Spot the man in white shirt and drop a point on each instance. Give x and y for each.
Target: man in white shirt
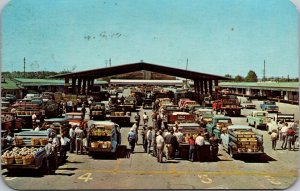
(145, 118)
(160, 143)
(283, 132)
(179, 135)
(72, 136)
(199, 142)
(79, 139)
(64, 141)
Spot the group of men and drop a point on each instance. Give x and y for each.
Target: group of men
(287, 134)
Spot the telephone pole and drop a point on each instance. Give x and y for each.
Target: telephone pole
(24, 67)
(264, 71)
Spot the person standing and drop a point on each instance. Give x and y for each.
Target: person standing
(149, 138)
(160, 143)
(199, 144)
(274, 138)
(137, 118)
(131, 139)
(144, 139)
(64, 141)
(145, 118)
(154, 135)
(33, 117)
(214, 146)
(191, 142)
(154, 118)
(290, 138)
(283, 131)
(83, 110)
(50, 156)
(170, 141)
(135, 127)
(72, 136)
(79, 134)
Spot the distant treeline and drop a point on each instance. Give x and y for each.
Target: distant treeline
(252, 77)
(36, 75)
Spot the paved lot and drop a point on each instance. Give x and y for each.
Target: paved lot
(276, 170)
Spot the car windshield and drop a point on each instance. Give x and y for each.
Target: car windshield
(261, 114)
(224, 121)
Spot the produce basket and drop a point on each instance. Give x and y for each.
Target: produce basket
(94, 144)
(19, 160)
(27, 160)
(9, 160)
(35, 141)
(19, 141)
(43, 141)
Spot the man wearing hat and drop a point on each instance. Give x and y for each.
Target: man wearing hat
(50, 157)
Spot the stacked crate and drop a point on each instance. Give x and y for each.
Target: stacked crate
(246, 141)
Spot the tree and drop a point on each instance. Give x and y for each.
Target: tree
(228, 76)
(238, 78)
(251, 77)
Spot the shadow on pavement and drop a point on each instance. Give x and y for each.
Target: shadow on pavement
(263, 158)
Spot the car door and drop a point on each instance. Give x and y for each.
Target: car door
(225, 140)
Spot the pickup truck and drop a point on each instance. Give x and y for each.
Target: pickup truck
(204, 116)
(247, 104)
(257, 118)
(217, 125)
(269, 106)
(240, 139)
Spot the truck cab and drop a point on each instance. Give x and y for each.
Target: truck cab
(269, 106)
(204, 116)
(257, 118)
(217, 124)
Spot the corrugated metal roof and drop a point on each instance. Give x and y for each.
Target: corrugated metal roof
(160, 82)
(48, 82)
(9, 84)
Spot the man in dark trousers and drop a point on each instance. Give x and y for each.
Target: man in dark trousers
(137, 119)
(171, 144)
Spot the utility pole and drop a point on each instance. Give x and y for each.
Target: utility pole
(109, 62)
(24, 67)
(264, 71)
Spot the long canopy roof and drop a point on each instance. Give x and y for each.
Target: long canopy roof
(126, 68)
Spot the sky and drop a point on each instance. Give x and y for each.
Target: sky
(216, 36)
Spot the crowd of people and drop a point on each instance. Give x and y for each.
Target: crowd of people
(164, 142)
(286, 134)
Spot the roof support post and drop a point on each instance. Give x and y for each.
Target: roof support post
(66, 87)
(92, 84)
(73, 85)
(216, 84)
(84, 86)
(201, 86)
(79, 86)
(205, 86)
(210, 87)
